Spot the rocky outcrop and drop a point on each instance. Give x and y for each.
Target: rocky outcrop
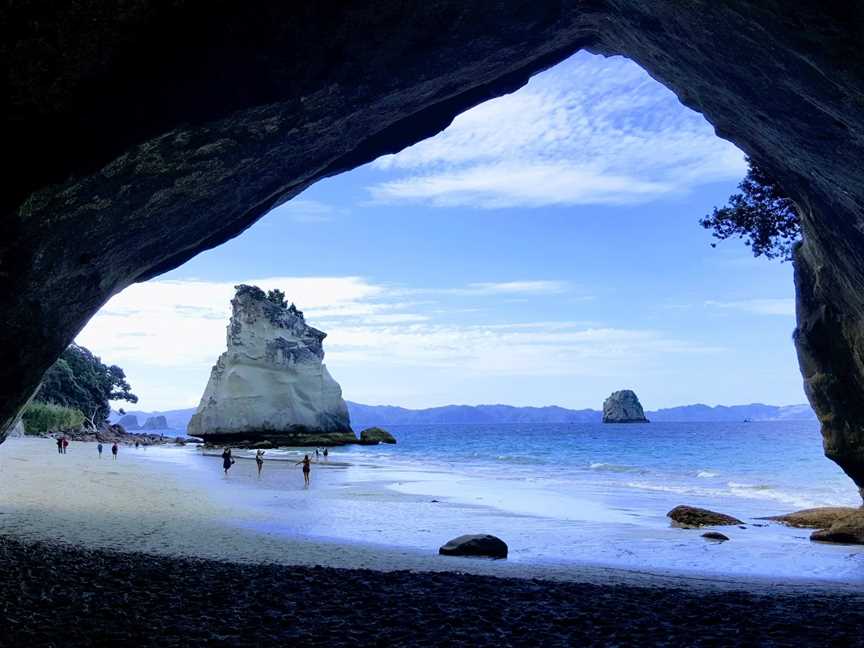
(315, 89)
(374, 435)
(155, 423)
(476, 546)
(692, 516)
(846, 530)
(623, 407)
(814, 518)
(271, 383)
(129, 422)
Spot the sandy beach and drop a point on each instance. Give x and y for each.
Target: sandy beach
(176, 502)
(161, 534)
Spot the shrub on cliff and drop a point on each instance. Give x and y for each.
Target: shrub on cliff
(761, 214)
(81, 381)
(46, 417)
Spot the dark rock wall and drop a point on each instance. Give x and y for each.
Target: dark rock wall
(140, 133)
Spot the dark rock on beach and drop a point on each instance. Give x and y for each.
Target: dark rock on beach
(374, 435)
(479, 546)
(64, 596)
(846, 530)
(715, 535)
(815, 518)
(691, 516)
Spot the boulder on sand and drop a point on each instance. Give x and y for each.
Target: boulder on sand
(846, 530)
(691, 516)
(482, 545)
(715, 535)
(376, 435)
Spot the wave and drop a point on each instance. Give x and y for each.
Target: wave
(734, 490)
(607, 467)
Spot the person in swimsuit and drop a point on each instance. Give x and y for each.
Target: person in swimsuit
(227, 460)
(307, 466)
(259, 459)
(114, 450)
(99, 449)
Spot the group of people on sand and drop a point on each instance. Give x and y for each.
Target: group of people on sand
(228, 461)
(63, 444)
(114, 449)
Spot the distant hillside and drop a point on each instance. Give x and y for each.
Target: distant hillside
(368, 415)
(365, 415)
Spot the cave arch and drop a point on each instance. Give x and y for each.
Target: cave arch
(138, 137)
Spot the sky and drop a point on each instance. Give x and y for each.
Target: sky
(543, 249)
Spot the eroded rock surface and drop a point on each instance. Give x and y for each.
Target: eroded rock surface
(693, 516)
(477, 546)
(173, 127)
(271, 383)
(815, 518)
(376, 435)
(623, 407)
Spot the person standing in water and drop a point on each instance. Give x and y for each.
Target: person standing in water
(259, 459)
(114, 450)
(227, 460)
(325, 454)
(99, 449)
(307, 467)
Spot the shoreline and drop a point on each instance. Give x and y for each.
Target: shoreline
(158, 600)
(174, 502)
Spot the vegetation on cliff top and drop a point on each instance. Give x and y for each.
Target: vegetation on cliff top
(761, 214)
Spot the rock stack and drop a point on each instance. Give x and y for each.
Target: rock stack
(271, 384)
(623, 407)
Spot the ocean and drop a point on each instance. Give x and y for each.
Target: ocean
(565, 494)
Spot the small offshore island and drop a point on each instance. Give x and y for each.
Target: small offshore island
(271, 388)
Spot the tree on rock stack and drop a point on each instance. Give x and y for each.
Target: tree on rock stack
(623, 407)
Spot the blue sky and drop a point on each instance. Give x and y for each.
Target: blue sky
(544, 249)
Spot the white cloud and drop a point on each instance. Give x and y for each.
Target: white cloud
(303, 210)
(482, 288)
(170, 332)
(589, 131)
(780, 306)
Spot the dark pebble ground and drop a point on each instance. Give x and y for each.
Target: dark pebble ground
(63, 596)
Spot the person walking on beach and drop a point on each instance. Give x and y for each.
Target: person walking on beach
(99, 449)
(259, 460)
(316, 453)
(65, 444)
(114, 450)
(325, 454)
(59, 445)
(227, 460)
(307, 467)
(137, 444)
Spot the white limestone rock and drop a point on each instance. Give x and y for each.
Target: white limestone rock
(623, 407)
(17, 430)
(271, 383)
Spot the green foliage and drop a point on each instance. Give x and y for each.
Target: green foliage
(761, 214)
(47, 417)
(277, 297)
(81, 381)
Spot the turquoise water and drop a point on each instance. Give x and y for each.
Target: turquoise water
(557, 494)
(760, 468)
